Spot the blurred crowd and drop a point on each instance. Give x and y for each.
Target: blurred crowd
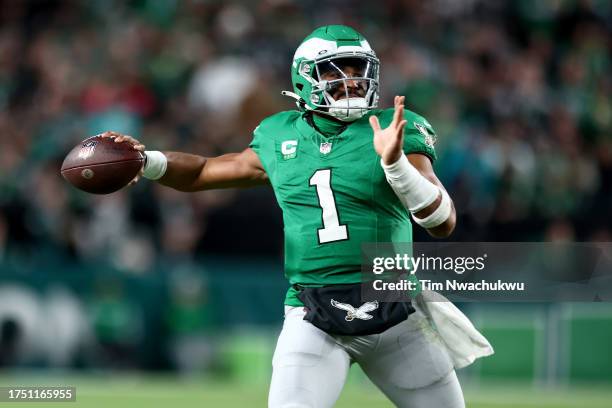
(518, 92)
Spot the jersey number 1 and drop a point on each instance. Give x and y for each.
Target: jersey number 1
(332, 230)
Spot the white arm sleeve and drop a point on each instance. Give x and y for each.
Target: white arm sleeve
(416, 192)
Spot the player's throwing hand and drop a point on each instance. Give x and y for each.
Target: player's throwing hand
(124, 138)
(389, 142)
(135, 144)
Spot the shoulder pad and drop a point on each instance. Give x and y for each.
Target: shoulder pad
(279, 119)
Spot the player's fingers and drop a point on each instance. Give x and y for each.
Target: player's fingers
(136, 145)
(397, 115)
(400, 128)
(374, 123)
(129, 139)
(399, 134)
(119, 137)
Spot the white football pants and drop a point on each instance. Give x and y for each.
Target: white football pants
(407, 362)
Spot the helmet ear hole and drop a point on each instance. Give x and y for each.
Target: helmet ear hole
(299, 86)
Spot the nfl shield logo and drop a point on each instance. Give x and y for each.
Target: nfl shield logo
(325, 147)
(87, 149)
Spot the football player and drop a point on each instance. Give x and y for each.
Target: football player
(344, 173)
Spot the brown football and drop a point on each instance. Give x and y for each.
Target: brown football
(99, 165)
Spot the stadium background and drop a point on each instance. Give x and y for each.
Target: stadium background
(150, 296)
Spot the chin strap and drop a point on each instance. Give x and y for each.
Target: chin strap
(291, 95)
(353, 115)
(298, 99)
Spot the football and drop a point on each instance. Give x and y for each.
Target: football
(99, 165)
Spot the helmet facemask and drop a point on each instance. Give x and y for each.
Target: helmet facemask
(344, 85)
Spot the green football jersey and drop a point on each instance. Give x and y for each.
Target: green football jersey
(333, 193)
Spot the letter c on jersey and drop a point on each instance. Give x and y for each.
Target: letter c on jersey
(289, 147)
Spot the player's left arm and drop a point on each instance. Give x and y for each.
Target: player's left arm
(412, 177)
(423, 164)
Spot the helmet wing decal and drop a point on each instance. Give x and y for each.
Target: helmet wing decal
(312, 48)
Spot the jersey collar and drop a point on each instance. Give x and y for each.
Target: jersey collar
(325, 126)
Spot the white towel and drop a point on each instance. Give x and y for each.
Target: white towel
(463, 342)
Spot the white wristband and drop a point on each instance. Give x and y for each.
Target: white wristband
(439, 216)
(155, 165)
(413, 190)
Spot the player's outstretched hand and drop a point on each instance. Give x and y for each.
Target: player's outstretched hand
(389, 142)
(119, 138)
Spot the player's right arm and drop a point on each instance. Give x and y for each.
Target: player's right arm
(190, 172)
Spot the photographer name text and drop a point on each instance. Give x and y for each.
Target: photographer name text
(448, 285)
